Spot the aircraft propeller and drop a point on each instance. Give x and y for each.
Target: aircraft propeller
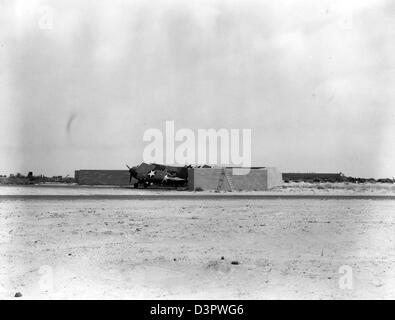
(132, 173)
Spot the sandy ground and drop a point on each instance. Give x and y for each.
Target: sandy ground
(285, 248)
(292, 188)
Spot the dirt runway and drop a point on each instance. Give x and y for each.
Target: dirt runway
(209, 249)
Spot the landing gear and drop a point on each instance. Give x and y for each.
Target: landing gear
(136, 185)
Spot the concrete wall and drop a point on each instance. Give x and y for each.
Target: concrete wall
(204, 178)
(274, 179)
(255, 179)
(102, 177)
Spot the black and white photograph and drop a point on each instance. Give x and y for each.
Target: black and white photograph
(178, 150)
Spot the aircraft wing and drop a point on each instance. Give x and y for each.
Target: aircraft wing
(175, 179)
(144, 168)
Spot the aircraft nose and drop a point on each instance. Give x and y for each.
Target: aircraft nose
(133, 171)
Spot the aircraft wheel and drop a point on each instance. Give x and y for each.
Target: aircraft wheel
(136, 185)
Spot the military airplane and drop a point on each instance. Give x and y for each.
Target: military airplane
(158, 174)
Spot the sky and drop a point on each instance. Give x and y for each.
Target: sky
(81, 81)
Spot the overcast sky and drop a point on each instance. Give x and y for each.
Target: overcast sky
(80, 81)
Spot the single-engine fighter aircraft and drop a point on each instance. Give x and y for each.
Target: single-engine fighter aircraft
(158, 174)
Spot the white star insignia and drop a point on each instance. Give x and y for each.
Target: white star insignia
(151, 173)
(165, 177)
